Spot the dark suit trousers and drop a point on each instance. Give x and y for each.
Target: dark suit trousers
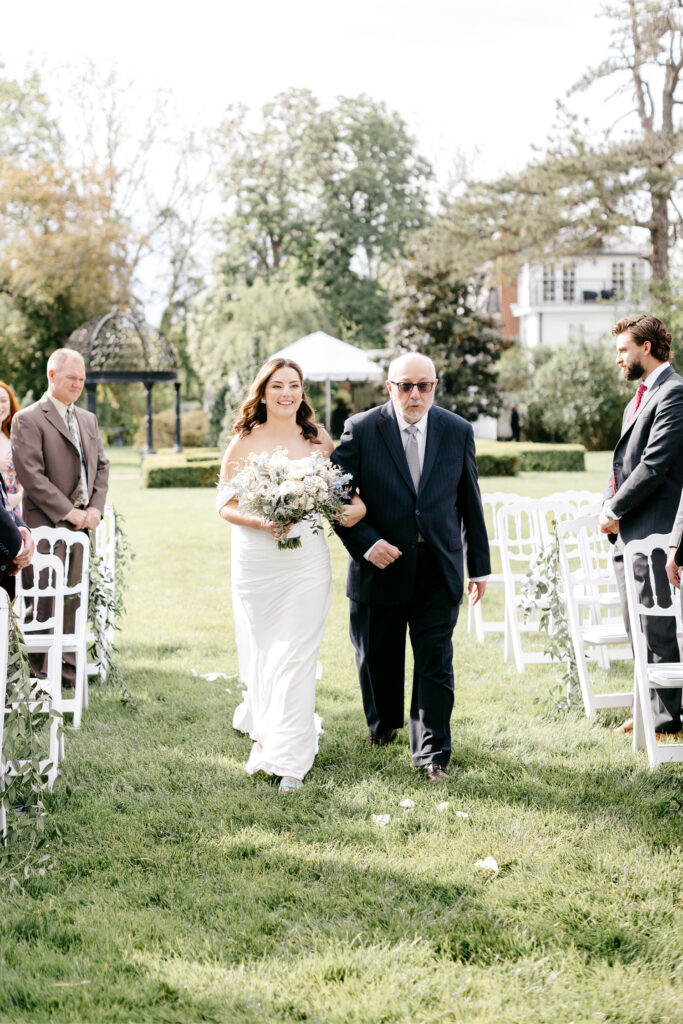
(660, 634)
(378, 634)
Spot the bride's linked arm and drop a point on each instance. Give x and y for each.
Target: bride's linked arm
(226, 498)
(356, 509)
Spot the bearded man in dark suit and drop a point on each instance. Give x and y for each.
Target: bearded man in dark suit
(414, 467)
(644, 488)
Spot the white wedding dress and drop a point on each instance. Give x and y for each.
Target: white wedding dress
(280, 603)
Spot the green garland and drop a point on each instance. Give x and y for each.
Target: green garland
(106, 606)
(32, 835)
(542, 592)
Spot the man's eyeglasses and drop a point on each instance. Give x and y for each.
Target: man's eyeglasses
(406, 386)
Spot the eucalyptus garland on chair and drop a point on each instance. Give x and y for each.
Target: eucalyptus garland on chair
(31, 834)
(542, 591)
(105, 605)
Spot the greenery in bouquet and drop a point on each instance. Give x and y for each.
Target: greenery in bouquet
(287, 491)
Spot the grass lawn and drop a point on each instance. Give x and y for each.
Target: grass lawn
(187, 891)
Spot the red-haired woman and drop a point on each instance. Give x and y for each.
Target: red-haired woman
(280, 597)
(8, 407)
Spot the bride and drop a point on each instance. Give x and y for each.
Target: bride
(280, 597)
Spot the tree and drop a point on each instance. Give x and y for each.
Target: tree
(438, 315)
(580, 191)
(269, 185)
(62, 253)
(577, 395)
(329, 195)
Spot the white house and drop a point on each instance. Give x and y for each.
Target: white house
(576, 299)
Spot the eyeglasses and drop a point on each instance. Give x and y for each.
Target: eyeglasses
(406, 386)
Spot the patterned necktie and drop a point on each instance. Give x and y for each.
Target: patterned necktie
(76, 435)
(413, 455)
(636, 404)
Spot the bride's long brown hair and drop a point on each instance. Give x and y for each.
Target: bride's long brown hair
(253, 409)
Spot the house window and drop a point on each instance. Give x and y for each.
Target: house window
(549, 282)
(568, 282)
(619, 278)
(636, 280)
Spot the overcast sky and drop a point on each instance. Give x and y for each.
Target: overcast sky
(477, 76)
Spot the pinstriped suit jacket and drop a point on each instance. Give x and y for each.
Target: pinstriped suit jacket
(648, 463)
(446, 510)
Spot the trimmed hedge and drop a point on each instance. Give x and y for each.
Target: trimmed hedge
(200, 468)
(176, 471)
(490, 464)
(536, 458)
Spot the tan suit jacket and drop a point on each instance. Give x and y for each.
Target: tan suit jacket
(48, 465)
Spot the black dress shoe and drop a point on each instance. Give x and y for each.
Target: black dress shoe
(434, 772)
(382, 739)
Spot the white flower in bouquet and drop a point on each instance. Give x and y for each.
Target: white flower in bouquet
(286, 491)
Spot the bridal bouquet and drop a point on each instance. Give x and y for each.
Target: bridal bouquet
(287, 491)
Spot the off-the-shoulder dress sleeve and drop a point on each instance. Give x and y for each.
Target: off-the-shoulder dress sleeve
(226, 491)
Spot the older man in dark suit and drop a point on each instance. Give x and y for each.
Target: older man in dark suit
(414, 467)
(645, 484)
(60, 462)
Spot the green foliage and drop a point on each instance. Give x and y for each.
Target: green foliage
(496, 464)
(556, 458)
(194, 428)
(577, 396)
(177, 471)
(106, 607)
(438, 315)
(32, 834)
(62, 249)
(542, 593)
(527, 457)
(330, 195)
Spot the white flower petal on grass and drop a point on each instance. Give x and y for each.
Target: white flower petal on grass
(381, 819)
(487, 864)
(407, 803)
(193, 671)
(461, 814)
(442, 806)
(228, 691)
(211, 677)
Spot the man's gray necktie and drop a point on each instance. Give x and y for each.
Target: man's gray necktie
(76, 435)
(413, 454)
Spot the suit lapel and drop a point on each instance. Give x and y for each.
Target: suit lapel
(434, 431)
(391, 436)
(57, 422)
(648, 397)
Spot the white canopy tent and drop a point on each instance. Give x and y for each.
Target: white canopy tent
(323, 358)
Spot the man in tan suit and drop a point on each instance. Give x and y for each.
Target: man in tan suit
(59, 460)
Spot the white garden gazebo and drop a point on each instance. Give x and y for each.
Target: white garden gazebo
(324, 358)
